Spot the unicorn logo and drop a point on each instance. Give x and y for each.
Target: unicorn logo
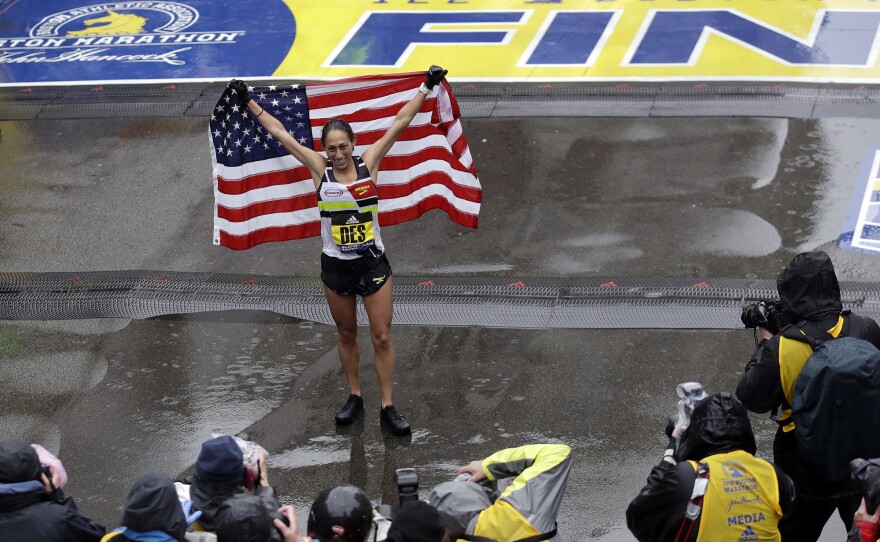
(112, 23)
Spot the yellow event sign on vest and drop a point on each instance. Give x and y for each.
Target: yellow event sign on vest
(741, 501)
(577, 40)
(793, 355)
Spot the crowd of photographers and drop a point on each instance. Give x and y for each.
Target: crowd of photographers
(229, 499)
(816, 368)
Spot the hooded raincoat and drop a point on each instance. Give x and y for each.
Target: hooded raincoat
(745, 496)
(27, 512)
(809, 291)
(152, 513)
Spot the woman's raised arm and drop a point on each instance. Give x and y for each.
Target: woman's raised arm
(309, 158)
(377, 151)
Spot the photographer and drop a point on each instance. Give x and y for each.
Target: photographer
(152, 512)
(249, 518)
(33, 507)
(340, 513)
(526, 510)
(712, 487)
(810, 298)
(221, 473)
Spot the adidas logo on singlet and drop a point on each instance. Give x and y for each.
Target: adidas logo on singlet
(351, 220)
(748, 534)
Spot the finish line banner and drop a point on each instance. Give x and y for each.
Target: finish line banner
(75, 41)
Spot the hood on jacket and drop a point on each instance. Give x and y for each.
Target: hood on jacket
(19, 462)
(153, 506)
(719, 424)
(808, 287)
(461, 501)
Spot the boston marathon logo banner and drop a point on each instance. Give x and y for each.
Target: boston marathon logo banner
(76, 41)
(478, 40)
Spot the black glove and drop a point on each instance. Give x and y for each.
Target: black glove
(434, 76)
(241, 89)
(670, 426)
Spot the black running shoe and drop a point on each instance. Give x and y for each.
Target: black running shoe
(352, 408)
(389, 417)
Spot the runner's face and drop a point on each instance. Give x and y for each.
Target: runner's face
(339, 148)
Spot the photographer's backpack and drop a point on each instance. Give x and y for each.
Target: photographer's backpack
(836, 401)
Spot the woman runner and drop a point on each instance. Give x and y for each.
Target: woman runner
(353, 260)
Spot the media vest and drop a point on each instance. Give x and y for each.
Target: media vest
(793, 355)
(742, 499)
(349, 214)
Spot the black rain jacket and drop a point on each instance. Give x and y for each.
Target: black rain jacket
(35, 516)
(153, 506)
(719, 424)
(809, 291)
(208, 497)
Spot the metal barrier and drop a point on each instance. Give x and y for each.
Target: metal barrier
(503, 302)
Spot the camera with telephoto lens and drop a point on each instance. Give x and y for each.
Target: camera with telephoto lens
(768, 314)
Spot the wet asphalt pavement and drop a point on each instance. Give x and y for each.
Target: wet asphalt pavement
(705, 197)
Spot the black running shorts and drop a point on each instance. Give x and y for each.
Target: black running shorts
(362, 276)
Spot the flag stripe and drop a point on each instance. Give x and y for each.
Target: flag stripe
(367, 81)
(275, 220)
(439, 156)
(347, 108)
(298, 181)
(285, 205)
(430, 178)
(263, 194)
(269, 235)
(269, 165)
(321, 100)
(394, 204)
(397, 216)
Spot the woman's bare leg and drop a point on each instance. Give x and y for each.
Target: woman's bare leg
(343, 308)
(380, 311)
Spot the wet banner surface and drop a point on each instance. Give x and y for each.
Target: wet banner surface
(491, 40)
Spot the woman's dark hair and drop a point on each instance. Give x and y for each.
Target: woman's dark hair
(336, 124)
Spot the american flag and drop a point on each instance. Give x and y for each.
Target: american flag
(263, 194)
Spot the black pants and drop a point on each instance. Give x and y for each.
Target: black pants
(806, 521)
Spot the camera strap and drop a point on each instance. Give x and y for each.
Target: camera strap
(807, 332)
(534, 538)
(538, 537)
(695, 504)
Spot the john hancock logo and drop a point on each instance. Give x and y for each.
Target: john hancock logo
(114, 32)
